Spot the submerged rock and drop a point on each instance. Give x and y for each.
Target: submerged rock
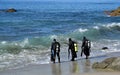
(115, 12)
(110, 63)
(105, 48)
(11, 10)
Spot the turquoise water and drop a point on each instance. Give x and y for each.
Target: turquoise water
(26, 35)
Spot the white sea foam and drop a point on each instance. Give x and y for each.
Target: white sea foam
(96, 27)
(111, 25)
(53, 36)
(3, 42)
(83, 30)
(25, 42)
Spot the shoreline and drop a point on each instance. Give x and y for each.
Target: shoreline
(80, 66)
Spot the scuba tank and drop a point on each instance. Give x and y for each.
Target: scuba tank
(57, 48)
(87, 43)
(76, 47)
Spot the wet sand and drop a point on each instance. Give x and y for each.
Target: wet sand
(79, 67)
(100, 73)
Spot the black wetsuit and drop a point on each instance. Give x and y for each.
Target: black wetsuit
(55, 50)
(72, 48)
(86, 47)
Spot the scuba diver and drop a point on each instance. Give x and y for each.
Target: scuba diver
(86, 45)
(72, 48)
(55, 50)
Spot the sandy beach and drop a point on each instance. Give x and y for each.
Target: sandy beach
(81, 66)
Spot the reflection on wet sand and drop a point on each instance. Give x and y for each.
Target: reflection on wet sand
(74, 67)
(85, 65)
(71, 67)
(56, 69)
(80, 66)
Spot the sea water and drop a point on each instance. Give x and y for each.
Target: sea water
(26, 35)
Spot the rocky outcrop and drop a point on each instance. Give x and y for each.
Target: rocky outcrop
(115, 12)
(110, 63)
(11, 10)
(104, 48)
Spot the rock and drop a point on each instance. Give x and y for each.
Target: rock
(98, 65)
(11, 10)
(115, 12)
(105, 48)
(104, 64)
(115, 65)
(110, 63)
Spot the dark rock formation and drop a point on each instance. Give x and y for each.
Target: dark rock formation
(104, 48)
(110, 63)
(11, 10)
(115, 12)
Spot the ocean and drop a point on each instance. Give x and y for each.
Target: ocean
(26, 35)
